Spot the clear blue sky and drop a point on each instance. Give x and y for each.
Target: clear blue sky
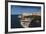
(21, 9)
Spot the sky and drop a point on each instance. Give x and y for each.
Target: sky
(23, 9)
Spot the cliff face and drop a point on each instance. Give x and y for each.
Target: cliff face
(16, 23)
